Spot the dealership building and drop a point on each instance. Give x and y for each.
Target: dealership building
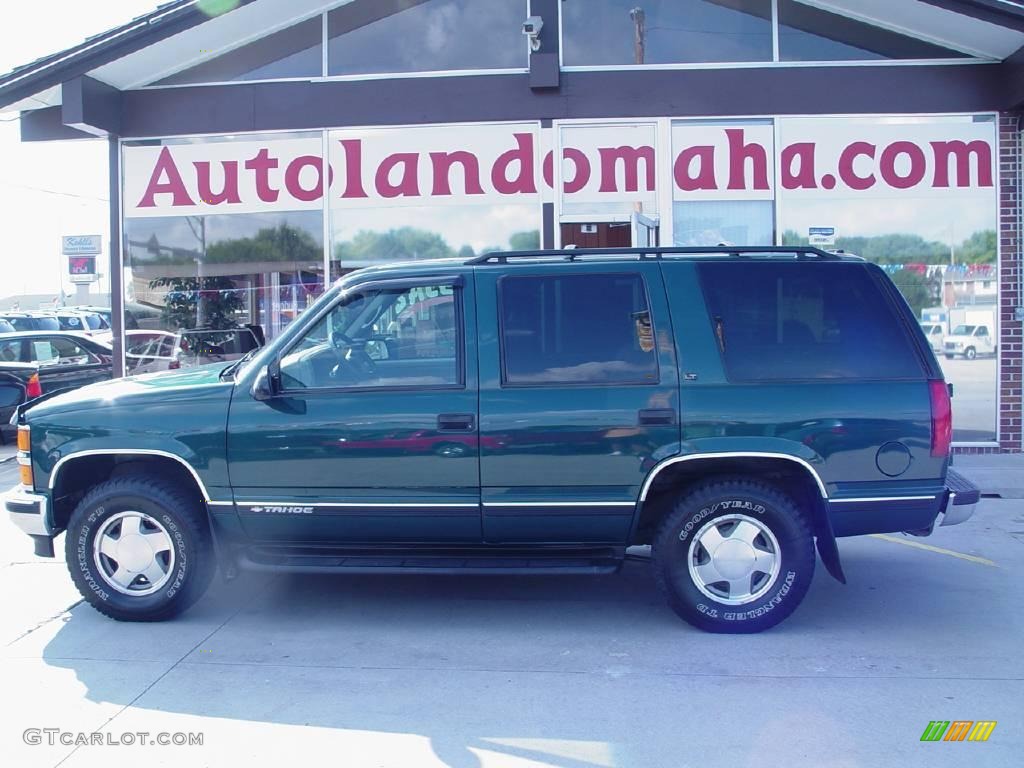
(260, 149)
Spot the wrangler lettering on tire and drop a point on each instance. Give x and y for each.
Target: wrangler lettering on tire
(734, 556)
(139, 549)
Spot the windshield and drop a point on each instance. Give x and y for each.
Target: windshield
(964, 330)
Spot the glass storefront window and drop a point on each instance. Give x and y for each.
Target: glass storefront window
(381, 235)
(807, 33)
(291, 52)
(206, 285)
(395, 36)
(733, 222)
(915, 195)
(433, 192)
(622, 32)
(723, 174)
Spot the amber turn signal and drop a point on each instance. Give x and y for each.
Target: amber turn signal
(24, 439)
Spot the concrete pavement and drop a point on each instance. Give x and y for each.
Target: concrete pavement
(576, 672)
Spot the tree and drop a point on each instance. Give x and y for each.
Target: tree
(528, 240)
(393, 245)
(979, 248)
(221, 301)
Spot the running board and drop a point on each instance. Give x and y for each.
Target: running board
(567, 561)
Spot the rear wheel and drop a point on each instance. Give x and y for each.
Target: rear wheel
(139, 549)
(734, 556)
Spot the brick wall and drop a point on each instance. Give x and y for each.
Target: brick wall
(1010, 240)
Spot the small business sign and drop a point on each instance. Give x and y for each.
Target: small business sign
(81, 245)
(821, 236)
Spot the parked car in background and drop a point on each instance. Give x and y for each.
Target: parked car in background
(199, 346)
(934, 333)
(31, 321)
(19, 383)
(82, 321)
(151, 351)
(969, 341)
(65, 360)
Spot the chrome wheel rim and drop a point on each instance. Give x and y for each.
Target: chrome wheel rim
(734, 559)
(133, 553)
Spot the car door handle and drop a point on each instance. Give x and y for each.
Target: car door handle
(653, 416)
(455, 422)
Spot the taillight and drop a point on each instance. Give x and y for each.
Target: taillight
(33, 389)
(942, 417)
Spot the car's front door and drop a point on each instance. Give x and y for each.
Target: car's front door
(372, 436)
(579, 397)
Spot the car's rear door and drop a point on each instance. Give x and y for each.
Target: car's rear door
(578, 397)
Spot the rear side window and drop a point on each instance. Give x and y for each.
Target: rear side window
(799, 320)
(576, 329)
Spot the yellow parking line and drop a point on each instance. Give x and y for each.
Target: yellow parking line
(940, 550)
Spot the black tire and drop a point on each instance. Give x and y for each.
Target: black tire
(774, 598)
(949, 357)
(970, 353)
(184, 525)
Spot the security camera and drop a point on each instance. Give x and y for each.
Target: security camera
(531, 28)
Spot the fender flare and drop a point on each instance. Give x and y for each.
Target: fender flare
(825, 539)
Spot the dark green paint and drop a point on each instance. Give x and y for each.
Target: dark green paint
(529, 445)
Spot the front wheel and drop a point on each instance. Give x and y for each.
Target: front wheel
(970, 353)
(734, 557)
(139, 549)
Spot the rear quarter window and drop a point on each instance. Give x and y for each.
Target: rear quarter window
(799, 321)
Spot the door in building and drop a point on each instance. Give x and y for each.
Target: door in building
(597, 235)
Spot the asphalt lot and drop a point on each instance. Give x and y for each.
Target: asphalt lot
(495, 672)
(974, 397)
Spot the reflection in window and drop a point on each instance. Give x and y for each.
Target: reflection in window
(384, 36)
(577, 329)
(292, 52)
(610, 32)
(376, 235)
(219, 284)
(734, 222)
(811, 34)
(387, 338)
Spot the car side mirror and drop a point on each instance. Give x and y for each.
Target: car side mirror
(268, 382)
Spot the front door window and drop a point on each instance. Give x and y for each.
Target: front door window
(404, 337)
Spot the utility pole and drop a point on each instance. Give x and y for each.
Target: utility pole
(639, 34)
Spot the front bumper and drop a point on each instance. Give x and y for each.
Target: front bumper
(962, 497)
(28, 511)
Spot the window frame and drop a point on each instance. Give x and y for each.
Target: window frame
(397, 284)
(503, 360)
(885, 289)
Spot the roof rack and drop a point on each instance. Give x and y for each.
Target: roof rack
(739, 252)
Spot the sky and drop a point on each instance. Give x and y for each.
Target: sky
(50, 189)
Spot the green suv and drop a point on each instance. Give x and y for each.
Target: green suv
(528, 412)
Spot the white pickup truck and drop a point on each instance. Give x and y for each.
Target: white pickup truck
(969, 341)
